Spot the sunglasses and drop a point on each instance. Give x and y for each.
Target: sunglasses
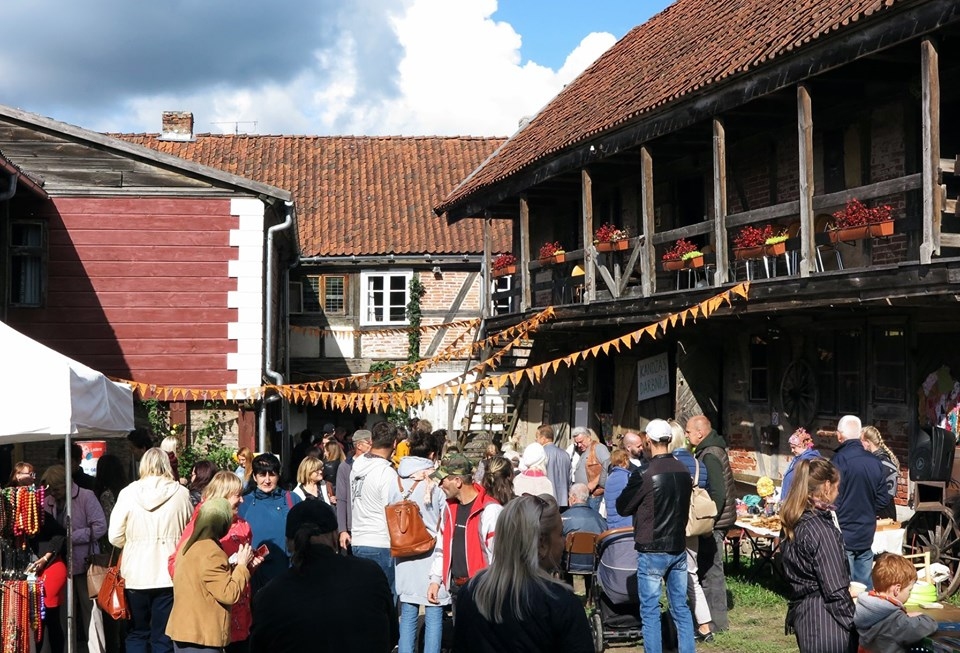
(541, 503)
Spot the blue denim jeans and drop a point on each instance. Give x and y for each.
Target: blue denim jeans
(652, 569)
(861, 564)
(149, 611)
(384, 560)
(432, 631)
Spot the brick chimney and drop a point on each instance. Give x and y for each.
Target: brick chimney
(177, 126)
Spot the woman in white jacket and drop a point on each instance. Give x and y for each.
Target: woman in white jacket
(147, 523)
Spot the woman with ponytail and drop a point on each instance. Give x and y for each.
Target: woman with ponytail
(820, 611)
(873, 442)
(205, 585)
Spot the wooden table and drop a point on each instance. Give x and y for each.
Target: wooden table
(947, 639)
(762, 551)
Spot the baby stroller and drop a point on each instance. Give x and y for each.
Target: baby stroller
(614, 603)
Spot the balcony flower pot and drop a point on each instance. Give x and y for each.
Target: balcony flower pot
(748, 253)
(672, 266)
(881, 229)
(776, 249)
(615, 246)
(848, 234)
(553, 260)
(504, 271)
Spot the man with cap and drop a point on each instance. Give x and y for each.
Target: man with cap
(361, 445)
(659, 500)
(468, 529)
(324, 602)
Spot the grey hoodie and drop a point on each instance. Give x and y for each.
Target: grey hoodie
(372, 479)
(884, 626)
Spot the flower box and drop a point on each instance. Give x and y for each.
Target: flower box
(553, 260)
(672, 266)
(504, 271)
(776, 249)
(881, 229)
(748, 253)
(615, 246)
(848, 234)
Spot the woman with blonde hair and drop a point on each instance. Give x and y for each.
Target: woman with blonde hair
(820, 611)
(244, 465)
(226, 485)
(617, 475)
(22, 474)
(204, 585)
(873, 442)
(310, 483)
(147, 523)
(516, 604)
(498, 479)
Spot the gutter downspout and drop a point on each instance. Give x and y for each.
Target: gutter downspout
(11, 188)
(5, 195)
(270, 336)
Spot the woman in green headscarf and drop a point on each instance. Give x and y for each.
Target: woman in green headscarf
(205, 583)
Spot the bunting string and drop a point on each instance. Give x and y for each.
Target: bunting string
(381, 331)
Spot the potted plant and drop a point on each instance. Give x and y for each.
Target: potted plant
(775, 245)
(857, 221)
(609, 238)
(753, 242)
(551, 253)
(504, 264)
(683, 254)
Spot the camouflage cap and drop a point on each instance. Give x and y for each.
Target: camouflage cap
(453, 464)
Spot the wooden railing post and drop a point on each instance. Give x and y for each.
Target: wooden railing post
(720, 201)
(486, 285)
(808, 252)
(526, 296)
(589, 258)
(648, 269)
(930, 109)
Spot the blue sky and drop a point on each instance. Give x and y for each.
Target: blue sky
(362, 67)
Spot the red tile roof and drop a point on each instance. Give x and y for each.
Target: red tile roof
(690, 46)
(356, 195)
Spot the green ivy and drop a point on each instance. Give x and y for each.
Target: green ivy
(207, 442)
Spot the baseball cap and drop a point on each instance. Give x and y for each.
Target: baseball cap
(455, 464)
(659, 430)
(329, 428)
(361, 434)
(311, 512)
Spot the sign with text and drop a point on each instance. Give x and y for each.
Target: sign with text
(653, 377)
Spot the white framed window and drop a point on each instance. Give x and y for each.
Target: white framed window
(502, 305)
(326, 293)
(27, 254)
(384, 297)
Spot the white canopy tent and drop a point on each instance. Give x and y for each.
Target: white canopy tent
(45, 395)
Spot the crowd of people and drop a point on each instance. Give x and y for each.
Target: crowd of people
(244, 560)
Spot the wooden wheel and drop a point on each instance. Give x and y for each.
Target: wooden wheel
(938, 533)
(799, 396)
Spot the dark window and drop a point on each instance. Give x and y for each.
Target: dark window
(501, 305)
(759, 386)
(26, 263)
(325, 294)
(889, 365)
(839, 371)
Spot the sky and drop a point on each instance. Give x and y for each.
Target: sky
(319, 67)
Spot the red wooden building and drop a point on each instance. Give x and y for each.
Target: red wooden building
(140, 264)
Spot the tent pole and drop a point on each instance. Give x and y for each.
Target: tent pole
(68, 464)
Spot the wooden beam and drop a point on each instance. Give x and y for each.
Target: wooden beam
(486, 286)
(720, 201)
(950, 240)
(696, 229)
(527, 297)
(589, 253)
(808, 247)
(648, 270)
(930, 118)
(635, 250)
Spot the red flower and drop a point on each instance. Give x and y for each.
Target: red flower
(504, 261)
(855, 214)
(679, 248)
(549, 249)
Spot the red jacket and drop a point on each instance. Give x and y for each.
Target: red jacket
(475, 545)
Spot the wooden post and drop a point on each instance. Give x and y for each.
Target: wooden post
(808, 247)
(589, 258)
(526, 297)
(486, 285)
(930, 110)
(648, 264)
(720, 201)
(180, 414)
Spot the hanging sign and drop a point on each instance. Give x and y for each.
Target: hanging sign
(653, 377)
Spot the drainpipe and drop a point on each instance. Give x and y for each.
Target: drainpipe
(269, 328)
(5, 195)
(11, 188)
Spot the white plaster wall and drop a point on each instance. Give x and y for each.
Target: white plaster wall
(247, 268)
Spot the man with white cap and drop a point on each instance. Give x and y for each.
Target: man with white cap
(659, 500)
(361, 445)
(532, 478)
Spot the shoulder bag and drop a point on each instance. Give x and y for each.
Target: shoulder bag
(408, 534)
(111, 598)
(703, 510)
(97, 570)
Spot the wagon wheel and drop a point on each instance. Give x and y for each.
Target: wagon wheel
(938, 533)
(799, 396)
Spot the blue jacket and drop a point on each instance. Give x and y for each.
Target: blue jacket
(808, 454)
(863, 492)
(616, 481)
(687, 459)
(267, 516)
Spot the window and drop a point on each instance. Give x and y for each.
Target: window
(839, 373)
(501, 303)
(26, 263)
(759, 388)
(889, 365)
(384, 297)
(325, 294)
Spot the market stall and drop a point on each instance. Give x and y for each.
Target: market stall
(48, 396)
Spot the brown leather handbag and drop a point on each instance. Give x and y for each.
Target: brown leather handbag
(408, 534)
(111, 598)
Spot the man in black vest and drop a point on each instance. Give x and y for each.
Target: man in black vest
(711, 449)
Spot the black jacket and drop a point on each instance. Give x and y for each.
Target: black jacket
(659, 500)
(335, 603)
